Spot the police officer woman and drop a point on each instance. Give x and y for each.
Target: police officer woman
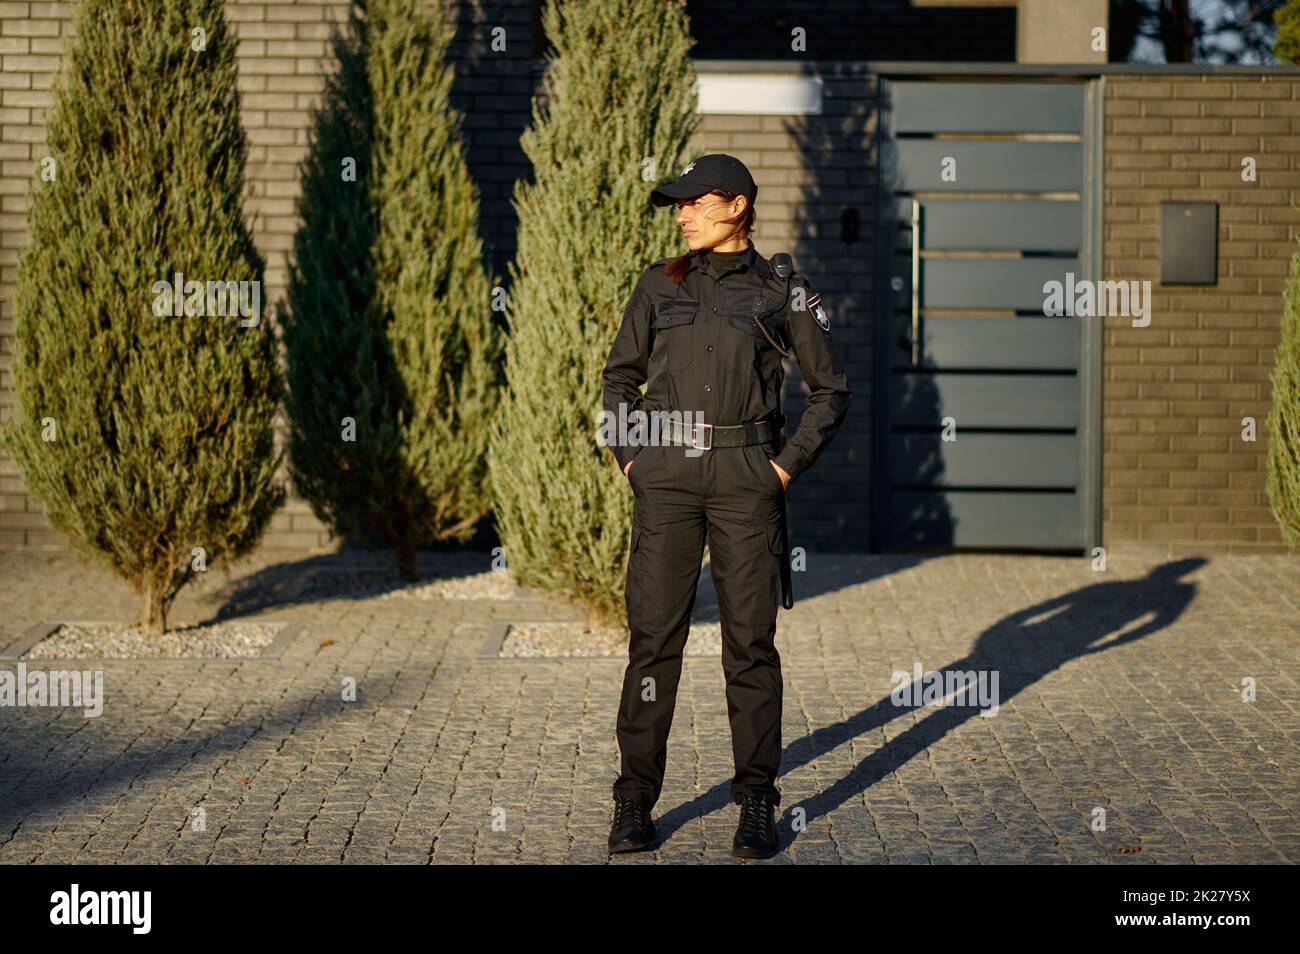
(705, 333)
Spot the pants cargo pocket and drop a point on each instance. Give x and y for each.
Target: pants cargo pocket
(633, 573)
(779, 548)
(775, 538)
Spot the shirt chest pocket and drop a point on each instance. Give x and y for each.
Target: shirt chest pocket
(743, 343)
(673, 326)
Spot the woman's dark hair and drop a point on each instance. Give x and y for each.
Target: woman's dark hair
(677, 267)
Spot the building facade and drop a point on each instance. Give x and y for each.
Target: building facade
(918, 156)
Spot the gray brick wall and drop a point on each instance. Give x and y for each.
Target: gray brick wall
(1175, 468)
(1174, 472)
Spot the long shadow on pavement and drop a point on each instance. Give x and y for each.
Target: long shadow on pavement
(1021, 648)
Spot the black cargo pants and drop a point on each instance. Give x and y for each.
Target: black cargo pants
(733, 497)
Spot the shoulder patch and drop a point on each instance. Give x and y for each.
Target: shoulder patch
(822, 318)
(812, 301)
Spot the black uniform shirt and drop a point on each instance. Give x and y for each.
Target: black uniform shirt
(696, 348)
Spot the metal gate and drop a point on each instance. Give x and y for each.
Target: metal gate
(987, 412)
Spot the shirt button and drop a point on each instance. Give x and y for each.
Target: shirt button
(708, 347)
(708, 387)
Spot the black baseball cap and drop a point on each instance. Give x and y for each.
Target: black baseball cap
(715, 171)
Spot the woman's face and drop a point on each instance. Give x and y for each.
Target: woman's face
(704, 219)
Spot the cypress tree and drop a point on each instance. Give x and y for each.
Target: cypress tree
(392, 352)
(616, 113)
(1286, 45)
(1283, 487)
(145, 436)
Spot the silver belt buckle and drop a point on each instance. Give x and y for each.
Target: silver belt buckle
(694, 440)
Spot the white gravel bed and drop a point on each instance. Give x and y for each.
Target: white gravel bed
(559, 639)
(386, 584)
(488, 585)
(227, 640)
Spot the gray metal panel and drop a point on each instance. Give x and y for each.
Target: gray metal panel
(984, 519)
(976, 342)
(1015, 283)
(1005, 403)
(984, 460)
(985, 400)
(1189, 243)
(987, 107)
(1027, 225)
(988, 166)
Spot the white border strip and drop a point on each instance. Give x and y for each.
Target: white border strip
(772, 95)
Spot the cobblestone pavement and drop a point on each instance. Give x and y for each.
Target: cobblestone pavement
(1120, 692)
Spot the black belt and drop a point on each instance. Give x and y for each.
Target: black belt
(708, 436)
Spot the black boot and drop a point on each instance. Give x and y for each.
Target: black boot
(631, 828)
(756, 833)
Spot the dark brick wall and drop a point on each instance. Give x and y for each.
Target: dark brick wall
(494, 91)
